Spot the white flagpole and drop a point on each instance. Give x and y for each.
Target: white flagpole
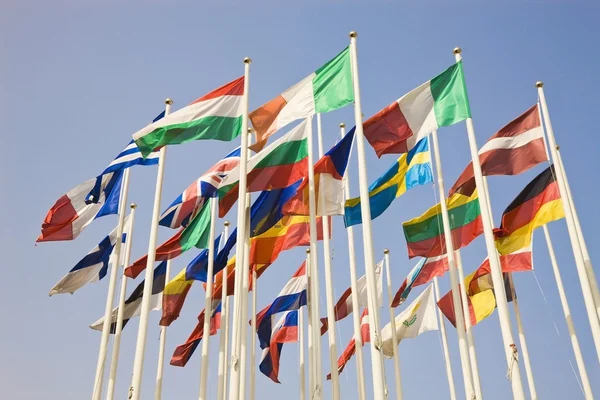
(224, 334)
(208, 311)
(585, 382)
(161, 347)
(376, 355)
(444, 342)
(114, 360)
(314, 271)
(311, 337)
(140, 348)
(586, 256)
(523, 342)
(335, 379)
(301, 353)
(252, 343)
(575, 244)
(456, 296)
(514, 370)
(115, 259)
(386, 253)
(468, 328)
(234, 385)
(360, 371)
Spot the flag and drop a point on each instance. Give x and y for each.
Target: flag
(133, 304)
(442, 101)
(512, 150)
(187, 203)
(183, 352)
(279, 165)
(129, 157)
(329, 185)
(196, 234)
(411, 169)
(350, 349)
(423, 272)
(284, 331)
(291, 297)
(538, 204)
(217, 115)
(419, 317)
(75, 210)
(343, 307)
(93, 266)
(425, 234)
(267, 209)
(328, 88)
(480, 296)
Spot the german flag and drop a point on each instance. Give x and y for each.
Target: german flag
(538, 204)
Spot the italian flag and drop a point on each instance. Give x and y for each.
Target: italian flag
(326, 89)
(442, 101)
(217, 115)
(282, 163)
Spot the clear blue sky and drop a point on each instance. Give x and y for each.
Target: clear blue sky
(79, 77)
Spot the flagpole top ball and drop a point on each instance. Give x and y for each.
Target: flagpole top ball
(353, 34)
(539, 84)
(386, 251)
(133, 206)
(457, 50)
(250, 130)
(342, 125)
(307, 251)
(168, 101)
(247, 60)
(226, 223)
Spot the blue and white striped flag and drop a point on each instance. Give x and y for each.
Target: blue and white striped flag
(93, 266)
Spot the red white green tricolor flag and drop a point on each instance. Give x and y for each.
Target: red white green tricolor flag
(217, 115)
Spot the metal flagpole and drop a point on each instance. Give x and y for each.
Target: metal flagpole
(586, 256)
(161, 347)
(252, 344)
(314, 271)
(375, 344)
(140, 348)
(301, 353)
(311, 338)
(335, 381)
(575, 244)
(444, 342)
(456, 296)
(523, 342)
(114, 360)
(585, 382)
(468, 326)
(115, 259)
(208, 311)
(234, 385)
(514, 370)
(224, 331)
(360, 371)
(397, 376)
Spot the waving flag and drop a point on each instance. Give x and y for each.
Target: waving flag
(350, 349)
(187, 203)
(291, 297)
(284, 331)
(423, 272)
(92, 267)
(133, 304)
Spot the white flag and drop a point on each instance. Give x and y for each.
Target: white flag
(418, 317)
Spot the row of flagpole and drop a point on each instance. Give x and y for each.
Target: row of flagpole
(239, 340)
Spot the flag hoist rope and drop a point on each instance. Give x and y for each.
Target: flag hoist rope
(395, 343)
(445, 348)
(301, 363)
(161, 347)
(224, 331)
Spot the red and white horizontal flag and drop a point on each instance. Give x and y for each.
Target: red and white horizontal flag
(351, 347)
(512, 150)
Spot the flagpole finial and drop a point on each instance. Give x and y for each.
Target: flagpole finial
(133, 206)
(342, 125)
(353, 34)
(539, 84)
(457, 50)
(250, 130)
(226, 223)
(247, 60)
(307, 251)
(386, 251)
(168, 101)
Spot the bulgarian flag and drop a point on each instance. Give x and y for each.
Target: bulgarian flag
(326, 89)
(217, 115)
(442, 101)
(281, 164)
(196, 234)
